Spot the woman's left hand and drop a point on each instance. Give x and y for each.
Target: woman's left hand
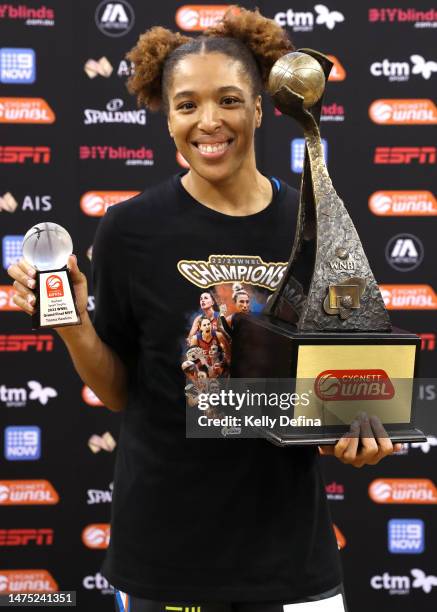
(366, 443)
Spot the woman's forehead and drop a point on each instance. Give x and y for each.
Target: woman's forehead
(207, 71)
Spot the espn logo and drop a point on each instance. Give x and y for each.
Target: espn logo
(96, 535)
(19, 155)
(27, 581)
(24, 537)
(405, 155)
(23, 342)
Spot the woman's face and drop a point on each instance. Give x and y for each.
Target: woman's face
(213, 114)
(206, 301)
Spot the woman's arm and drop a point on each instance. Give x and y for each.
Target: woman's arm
(96, 363)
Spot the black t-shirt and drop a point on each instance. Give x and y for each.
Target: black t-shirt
(204, 519)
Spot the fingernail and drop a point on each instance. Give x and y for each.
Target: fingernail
(30, 299)
(31, 272)
(31, 283)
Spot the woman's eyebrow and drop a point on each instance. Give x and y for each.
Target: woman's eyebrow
(224, 89)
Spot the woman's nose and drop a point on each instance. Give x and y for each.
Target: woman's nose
(210, 118)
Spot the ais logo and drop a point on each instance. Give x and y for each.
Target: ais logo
(340, 385)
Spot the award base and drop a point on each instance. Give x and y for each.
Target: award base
(344, 373)
(55, 304)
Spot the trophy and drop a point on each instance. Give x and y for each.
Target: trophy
(47, 246)
(326, 325)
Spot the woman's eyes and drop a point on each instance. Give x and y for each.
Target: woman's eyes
(227, 101)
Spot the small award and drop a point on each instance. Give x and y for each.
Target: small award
(326, 326)
(47, 247)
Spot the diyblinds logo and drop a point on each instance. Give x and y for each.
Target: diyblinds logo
(298, 153)
(406, 536)
(426, 18)
(41, 16)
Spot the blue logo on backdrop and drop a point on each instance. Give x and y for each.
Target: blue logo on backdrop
(17, 66)
(406, 536)
(22, 443)
(12, 249)
(298, 153)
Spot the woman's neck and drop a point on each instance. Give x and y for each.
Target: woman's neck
(244, 193)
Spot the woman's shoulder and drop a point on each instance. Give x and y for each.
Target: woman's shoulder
(143, 207)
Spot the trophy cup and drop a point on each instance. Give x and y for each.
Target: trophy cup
(326, 324)
(47, 246)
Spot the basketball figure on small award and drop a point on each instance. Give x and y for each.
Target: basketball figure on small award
(327, 317)
(47, 247)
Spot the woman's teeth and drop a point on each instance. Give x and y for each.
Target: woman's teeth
(213, 148)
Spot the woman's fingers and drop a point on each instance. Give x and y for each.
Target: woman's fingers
(26, 304)
(22, 273)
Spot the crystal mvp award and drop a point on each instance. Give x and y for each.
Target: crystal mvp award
(326, 327)
(47, 247)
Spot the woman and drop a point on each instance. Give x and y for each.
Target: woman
(210, 525)
(209, 309)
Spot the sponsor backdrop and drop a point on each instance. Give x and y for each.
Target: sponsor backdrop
(74, 143)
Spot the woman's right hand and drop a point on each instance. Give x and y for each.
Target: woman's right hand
(24, 283)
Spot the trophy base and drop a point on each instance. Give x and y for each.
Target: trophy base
(55, 304)
(344, 373)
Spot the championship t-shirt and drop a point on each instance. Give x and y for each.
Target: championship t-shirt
(206, 519)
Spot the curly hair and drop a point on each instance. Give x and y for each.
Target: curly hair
(244, 35)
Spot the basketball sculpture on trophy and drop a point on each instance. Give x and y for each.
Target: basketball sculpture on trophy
(47, 246)
(326, 323)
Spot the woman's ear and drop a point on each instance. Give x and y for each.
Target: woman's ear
(258, 111)
(169, 127)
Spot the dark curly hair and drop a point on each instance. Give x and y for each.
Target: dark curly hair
(244, 35)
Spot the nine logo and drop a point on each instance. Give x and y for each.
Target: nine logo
(406, 536)
(298, 153)
(17, 66)
(22, 443)
(404, 252)
(11, 249)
